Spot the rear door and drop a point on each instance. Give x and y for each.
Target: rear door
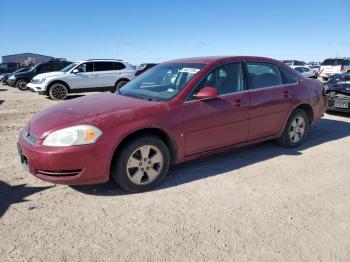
(104, 73)
(271, 98)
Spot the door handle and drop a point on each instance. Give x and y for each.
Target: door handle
(239, 103)
(288, 94)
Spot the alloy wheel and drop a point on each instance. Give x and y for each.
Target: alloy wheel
(59, 91)
(144, 165)
(297, 129)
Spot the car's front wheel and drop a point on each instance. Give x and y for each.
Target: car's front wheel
(58, 91)
(296, 129)
(21, 84)
(141, 164)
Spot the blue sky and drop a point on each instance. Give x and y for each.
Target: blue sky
(146, 31)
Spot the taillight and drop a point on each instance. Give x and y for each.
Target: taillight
(341, 68)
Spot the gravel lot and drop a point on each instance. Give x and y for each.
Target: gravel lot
(262, 203)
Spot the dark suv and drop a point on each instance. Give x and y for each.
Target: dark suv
(21, 79)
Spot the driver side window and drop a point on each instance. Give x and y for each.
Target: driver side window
(85, 68)
(227, 79)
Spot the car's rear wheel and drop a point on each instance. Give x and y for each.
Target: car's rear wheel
(21, 84)
(296, 129)
(141, 164)
(119, 84)
(58, 91)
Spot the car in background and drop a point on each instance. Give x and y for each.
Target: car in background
(20, 80)
(7, 68)
(83, 76)
(4, 79)
(338, 91)
(143, 68)
(178, 111)
(305, 71)
(314, 66)
(332, 66)
(294, 63)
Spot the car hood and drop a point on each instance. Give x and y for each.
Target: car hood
(91, 109)
(50, 74)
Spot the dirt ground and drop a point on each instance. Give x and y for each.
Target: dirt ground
(262, 203)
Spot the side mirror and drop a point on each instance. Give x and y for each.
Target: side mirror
(206, 93)
(75, 71)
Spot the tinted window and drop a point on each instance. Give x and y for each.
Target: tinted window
(103, 66)
(333, 62)
(227, 79)
(44, 68)
(263, 75)
(118, 66)
(86, 67)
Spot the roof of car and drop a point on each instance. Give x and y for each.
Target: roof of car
(211, 59)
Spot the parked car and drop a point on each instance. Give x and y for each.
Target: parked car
(305, 71)
(338, 90)
(143, 68)
(4, 79)
(83, 76)
(180, 110)
(7, 68)
(21, 79)
(294, 63)
(332, 66)
(314, 66)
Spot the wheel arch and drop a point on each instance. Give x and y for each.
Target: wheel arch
(121, 79)
(158, 132)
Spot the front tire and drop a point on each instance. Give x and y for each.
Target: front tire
(141, 164)
(21, 84)
(58, 91)
(296, 129)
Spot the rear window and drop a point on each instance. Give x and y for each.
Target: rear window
(288, 77)
(263, 75)
(335, 62)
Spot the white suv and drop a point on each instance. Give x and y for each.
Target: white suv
(83, 76)
(332, 66)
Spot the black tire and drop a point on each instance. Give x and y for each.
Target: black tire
(286, 138)
(21, 84)
(119, 84)
(120, 170)
(58, 91)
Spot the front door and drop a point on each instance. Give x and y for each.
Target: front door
(220, 121)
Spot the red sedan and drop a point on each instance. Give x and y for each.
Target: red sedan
(176, 111)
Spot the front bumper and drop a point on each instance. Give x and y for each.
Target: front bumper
(39, 88)
(339, 103)
(76, 165)
(11, 82)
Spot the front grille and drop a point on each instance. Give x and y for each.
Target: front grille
(32, 139)
(59, 173)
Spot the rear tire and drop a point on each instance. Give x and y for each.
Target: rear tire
(58, 91)
(119, 84)
(141, 164)
(21, 84)
(295, 130)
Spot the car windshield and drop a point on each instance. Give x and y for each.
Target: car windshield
(22, 70)
(69, 67)
(162, 82)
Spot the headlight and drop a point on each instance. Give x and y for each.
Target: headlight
(38, 81)
(12, 77)
(72, 136)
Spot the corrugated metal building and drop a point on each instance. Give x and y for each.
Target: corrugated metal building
(26, 58)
